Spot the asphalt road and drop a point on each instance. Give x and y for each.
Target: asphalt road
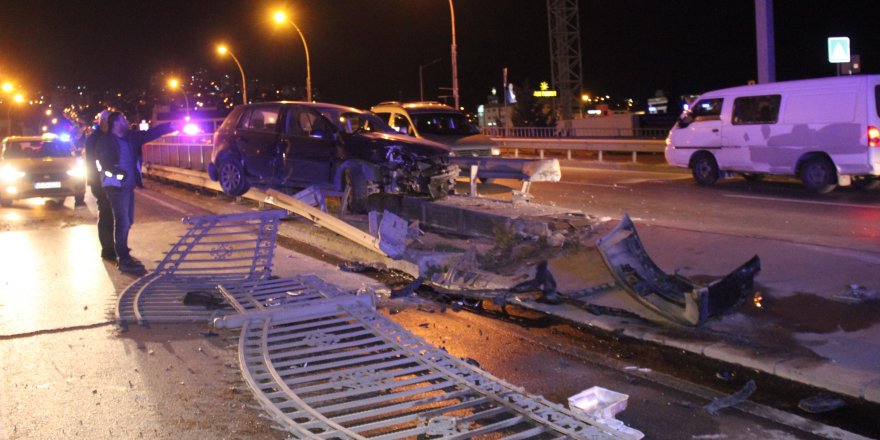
(67, 372)
(777, 208)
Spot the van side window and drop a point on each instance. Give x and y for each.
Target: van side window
(707, 110)
(756, 110)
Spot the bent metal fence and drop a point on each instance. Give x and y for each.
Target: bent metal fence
(325, 364)
(217, 249)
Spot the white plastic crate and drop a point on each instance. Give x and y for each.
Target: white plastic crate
(598, 402)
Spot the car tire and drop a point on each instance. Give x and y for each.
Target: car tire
(231, 176)
(818, 175)
(79, 200)
(356, 187)
(705, 169)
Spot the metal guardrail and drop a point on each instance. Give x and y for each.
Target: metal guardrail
(600, 145)
(575, 132)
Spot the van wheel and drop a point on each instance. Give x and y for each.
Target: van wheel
(819, 176)
(866, 183)
(705, 169)
(231, 177)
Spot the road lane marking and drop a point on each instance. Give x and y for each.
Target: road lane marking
(602, 185)
(806, 202)
(164, 203)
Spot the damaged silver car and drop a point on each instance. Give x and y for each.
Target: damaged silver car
(337, 148)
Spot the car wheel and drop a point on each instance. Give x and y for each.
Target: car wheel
(867, 183)
(79, 200)
(356, 188)
(819, 176)
(705, 169)
(231, 177)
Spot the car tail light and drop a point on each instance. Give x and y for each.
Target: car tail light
(873, 136)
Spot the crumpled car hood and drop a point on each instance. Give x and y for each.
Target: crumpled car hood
(421, 147)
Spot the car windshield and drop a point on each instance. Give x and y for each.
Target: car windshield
(352, 122)
(443, 124)
(37, 149)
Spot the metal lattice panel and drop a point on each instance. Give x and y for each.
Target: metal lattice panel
(565, 54)
(327, 365)
(217, 249)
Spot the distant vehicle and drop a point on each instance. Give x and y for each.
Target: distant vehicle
(35, 166)
(824, 131)
(439, 123)
(299, 144)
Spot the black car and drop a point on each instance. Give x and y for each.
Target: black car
(300, 144)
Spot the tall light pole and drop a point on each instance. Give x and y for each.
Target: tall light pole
(421, 86)
(175, 84)
(454, 59)
(223, 50)
(281, 17)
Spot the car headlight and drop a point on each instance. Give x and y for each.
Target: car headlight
(496, 151)
(78, 170)
(9, 174)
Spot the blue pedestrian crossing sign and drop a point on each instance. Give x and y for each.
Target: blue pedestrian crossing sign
(838, 49)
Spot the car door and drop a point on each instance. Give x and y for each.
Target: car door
(700, 128)
(309, 147)
(257, 138)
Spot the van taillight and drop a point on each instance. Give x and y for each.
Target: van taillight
(873, 136)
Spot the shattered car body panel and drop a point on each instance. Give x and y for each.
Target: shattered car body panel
(300, 144)
(675, 297)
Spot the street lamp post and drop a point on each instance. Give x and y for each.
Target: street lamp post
(222, 50)
(421, 86)
(174, 84)
(281, 17)
(454, 61)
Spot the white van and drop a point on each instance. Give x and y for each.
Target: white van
(825, 131)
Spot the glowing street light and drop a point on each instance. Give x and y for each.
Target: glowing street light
(173, 84)
(223, 50)
(281, 17)
(7, 87)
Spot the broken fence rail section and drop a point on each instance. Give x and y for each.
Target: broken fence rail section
(215, 249)
(325, 364)
(675, 297)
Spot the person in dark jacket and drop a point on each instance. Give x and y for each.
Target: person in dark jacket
(119, 166)
(105, 212)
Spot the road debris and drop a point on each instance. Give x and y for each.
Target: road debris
(675, 297)
(719, 403)
(855, 294)
(821, 403)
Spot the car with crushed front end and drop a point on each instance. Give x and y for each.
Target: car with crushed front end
(439, 123)
(289, 144)
(41, 166)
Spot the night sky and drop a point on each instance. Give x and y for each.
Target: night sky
(366, 51)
